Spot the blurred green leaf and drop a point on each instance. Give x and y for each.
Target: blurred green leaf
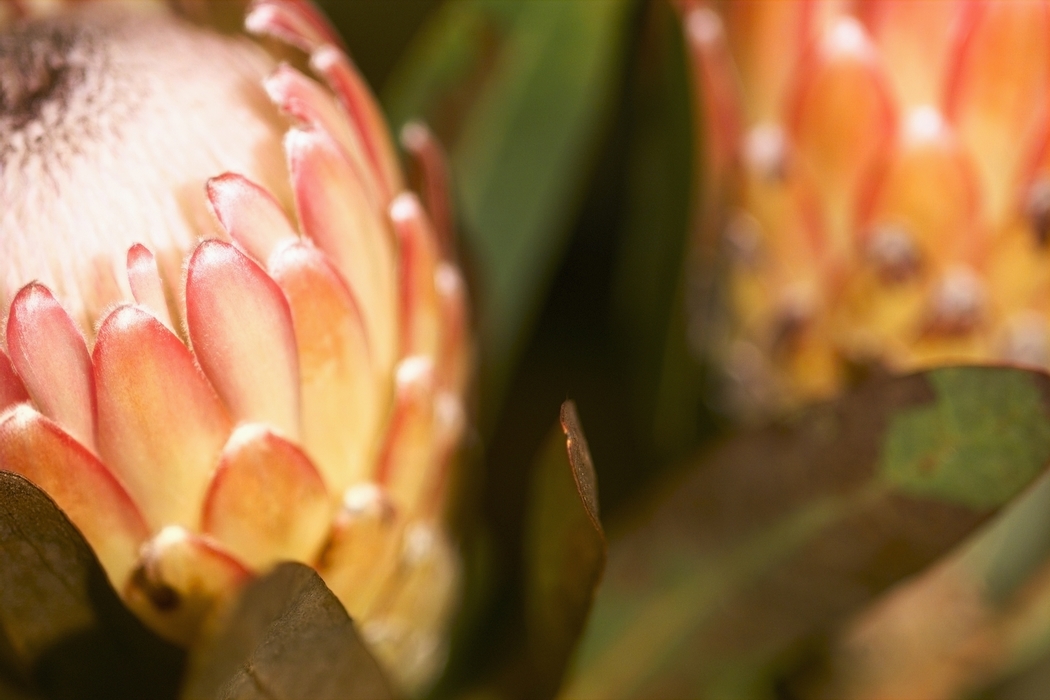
(780, 533)
(962, 449)
(64, 632)
(564, 551)
(518, 92)
(377, 31)
(287, 637)
(980, 618)
(564, 555)
(649, 286)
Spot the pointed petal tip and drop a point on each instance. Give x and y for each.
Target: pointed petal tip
(299, 143)
(415, 135)
(366, 497)
(119, 317)
(295, 22)
(429, 175)
(211, 253)
(325, 56)
(227, 191)
(415, 371)
(146, 284)
(33, 292)
(156, 408)
(240, 326)
(848, 37)
(50, 355)
(138, 252)
(267, 501)
(259, 18)
(703, 25)
(220, 190)
(405, 207)
(250, 214)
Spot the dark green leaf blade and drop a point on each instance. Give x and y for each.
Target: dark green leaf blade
(564, 551)
(64, 632)
(780, 533)
(651, 273)
(526, 654)
(517, 92)
(286, 637)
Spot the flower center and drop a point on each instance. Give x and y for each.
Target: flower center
(111, 120)
(40, 67)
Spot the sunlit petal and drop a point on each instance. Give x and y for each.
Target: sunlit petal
(160, 424)
(240, 328)
(266, 503)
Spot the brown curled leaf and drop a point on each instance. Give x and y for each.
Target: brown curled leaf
(286, 637)
(64, 632)
(564, 551)
(774, 538)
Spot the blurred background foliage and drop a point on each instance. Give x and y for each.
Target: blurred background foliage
(762, 562)
(570, 139)
(569, 134)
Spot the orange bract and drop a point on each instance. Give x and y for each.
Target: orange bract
(878, 181)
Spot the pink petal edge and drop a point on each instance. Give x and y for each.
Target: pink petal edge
(240, 328)
(156, 410)
(49, 353)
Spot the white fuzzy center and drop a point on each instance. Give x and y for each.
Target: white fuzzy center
(111, 120)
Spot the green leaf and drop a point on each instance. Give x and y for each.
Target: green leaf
(650, 276)
(982, 615)
(526, 652)
(286, 637)
(517, 91)
(564, 551)
(965, 450)
(64, 632)
(777, 535)
(976, 619)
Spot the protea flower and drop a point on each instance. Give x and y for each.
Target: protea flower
(879, 175)
(223, 349)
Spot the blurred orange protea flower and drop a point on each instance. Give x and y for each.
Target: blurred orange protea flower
(205, 387)
(879, 176)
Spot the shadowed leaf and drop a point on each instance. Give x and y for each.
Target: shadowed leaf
(1029, 684)
(649, 290)
(564, 551)
(563, 560)
(286, 637)
(977, 619)
(780, 533)
(64, 633)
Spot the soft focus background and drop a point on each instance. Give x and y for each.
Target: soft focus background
(569, 132)
(875, 547)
